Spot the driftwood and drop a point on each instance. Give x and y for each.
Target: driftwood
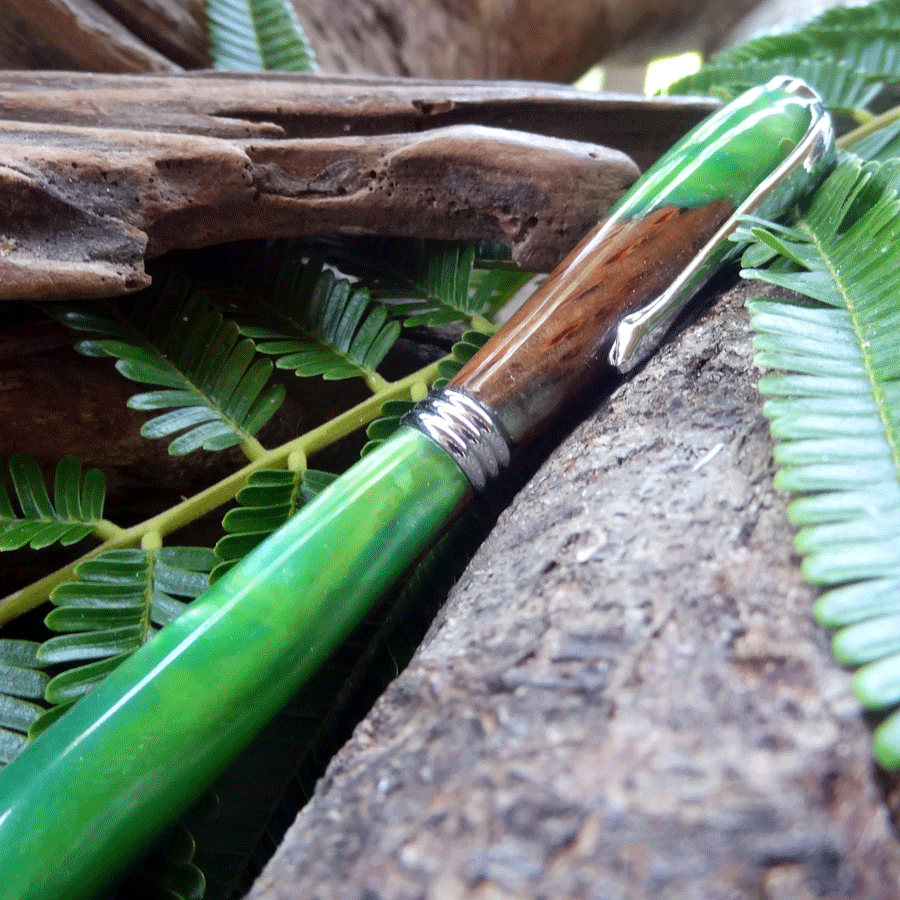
(625, 695)
(98, 173)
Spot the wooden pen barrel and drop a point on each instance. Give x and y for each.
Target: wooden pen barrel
(560, 339)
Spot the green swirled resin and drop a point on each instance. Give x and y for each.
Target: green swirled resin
(128, 758)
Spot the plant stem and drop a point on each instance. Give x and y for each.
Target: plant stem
(876, 123)
(107, 530)
(116, 538)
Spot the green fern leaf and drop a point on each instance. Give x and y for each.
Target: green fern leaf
(72, 515)
(168, 872)
(841, 86)
(835, 408)
(253, 35)
(435, 282)
(23, 684)
(215, 387)
(847, 54)
(444, 286)
(314, 323)
(119, 601)
(269, 499)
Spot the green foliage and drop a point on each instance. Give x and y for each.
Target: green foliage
(72, 515)
(445, 287)
(23, 683)
(314, 323)
(835, 410)
(270, 498)
(850, 55)
(828, 51)
(121, 598)
(433, 282)
(212, 383)
(841, 86)
(252, 35)
(168, 873)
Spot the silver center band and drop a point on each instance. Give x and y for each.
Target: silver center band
(466, 430)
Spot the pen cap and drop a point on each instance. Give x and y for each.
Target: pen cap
(610, 302)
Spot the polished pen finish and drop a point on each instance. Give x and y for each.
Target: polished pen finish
(610, 302)
(114, 771)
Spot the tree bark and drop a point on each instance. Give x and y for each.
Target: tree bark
(533, 39)
(625, 695)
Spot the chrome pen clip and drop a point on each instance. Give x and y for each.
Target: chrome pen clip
(641, 332)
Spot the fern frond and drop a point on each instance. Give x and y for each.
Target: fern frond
(393, 411)
(435, 282)
(253, 35)
(847, 54)
(23, 684)
(212, 383)
(73, 514)
(168, 872)
(841, 86)
(314, 323)
(835, 409)
(269, 499)
(443, 285)
(121, 598)
(461, 352)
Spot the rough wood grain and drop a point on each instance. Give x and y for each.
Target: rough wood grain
(625, 696)
(271, 104)
(99, 172)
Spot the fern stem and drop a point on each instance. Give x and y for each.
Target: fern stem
(480, 323)
(874, 124)
(252, 449)
(106, 530)
(347, 422)
(377, 383)
(33, 595)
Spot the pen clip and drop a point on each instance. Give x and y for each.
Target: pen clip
(641, 332)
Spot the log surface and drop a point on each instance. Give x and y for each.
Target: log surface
(625, 695)
(98, 173)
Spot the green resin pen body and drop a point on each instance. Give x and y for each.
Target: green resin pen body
(99, 785)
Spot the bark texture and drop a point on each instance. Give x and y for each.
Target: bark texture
(536, 39)
(625, 696)
(98, 173)
(80, 34)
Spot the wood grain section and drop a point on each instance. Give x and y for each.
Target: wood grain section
(559, 340)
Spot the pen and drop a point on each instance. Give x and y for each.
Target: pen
(100, 784)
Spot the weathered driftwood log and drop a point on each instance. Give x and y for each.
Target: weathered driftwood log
(625, 695)
(99, 172)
